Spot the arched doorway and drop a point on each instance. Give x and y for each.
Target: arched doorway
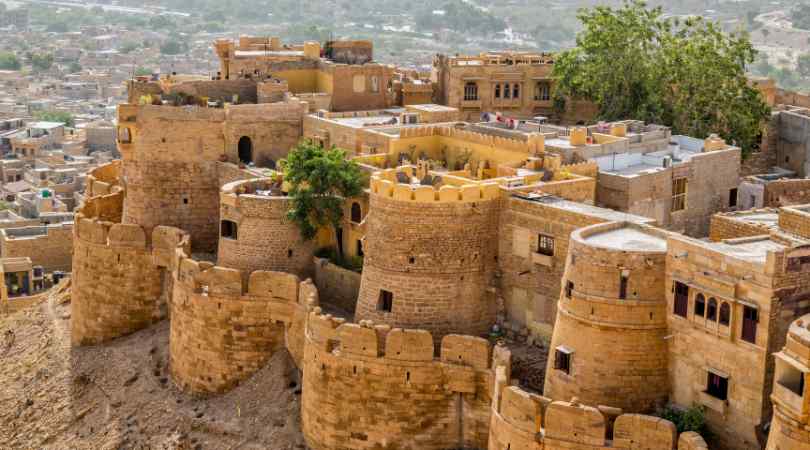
(245, 150)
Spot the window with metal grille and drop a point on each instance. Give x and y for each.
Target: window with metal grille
(749, 324)
(681, 299)
(471, 91)
(678, 194)
(545, 245)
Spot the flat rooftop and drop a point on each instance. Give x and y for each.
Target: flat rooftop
(627, 238)
(251, 53)
(755, 251)
(369, 121)
(607, 214)
(769, 219)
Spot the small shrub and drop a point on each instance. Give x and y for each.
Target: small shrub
(690, 419)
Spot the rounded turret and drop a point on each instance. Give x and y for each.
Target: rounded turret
(790, 427)
(429, 253)
(255, 233)
(608, 346)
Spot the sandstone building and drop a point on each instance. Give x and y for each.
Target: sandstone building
(462, 226)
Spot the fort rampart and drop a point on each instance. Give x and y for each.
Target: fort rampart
(225, 326)
(369, 387)
(119, 277)
(525, 421)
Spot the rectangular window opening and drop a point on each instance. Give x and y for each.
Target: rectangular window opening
(569, 288)
(678, 194)
(386, 301)
(562, 359)
(717, 386)
(749, 324)
(681, 299)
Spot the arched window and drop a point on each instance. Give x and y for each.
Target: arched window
(725, 314)
(711, 311)
(124, 135)
(470, 91)
(245, 150)
(357, 213)
(700, 305)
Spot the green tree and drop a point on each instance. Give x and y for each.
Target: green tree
(691, 419)
(9, 61)
(56, 116)
(173, 47)
(41, 61)
(320, 180)
(74, 67)
(141, 71)
(687, 74)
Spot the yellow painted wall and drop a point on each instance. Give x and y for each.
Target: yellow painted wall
(300, 81)
(324, 82)
(432, 146)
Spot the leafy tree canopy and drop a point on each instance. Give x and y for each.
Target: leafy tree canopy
(687, 74)
(9, 61)
(320, 180)
(56, 116)
(41, 61)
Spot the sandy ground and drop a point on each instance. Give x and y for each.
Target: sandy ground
(120, 396)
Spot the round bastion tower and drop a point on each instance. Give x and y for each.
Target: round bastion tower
(608, 346)
(790, 427)
(429, 254)
(170, 173)
(255, 233)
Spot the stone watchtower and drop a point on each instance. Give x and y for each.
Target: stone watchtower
(429, 254)
(790, 427)
(608, 346)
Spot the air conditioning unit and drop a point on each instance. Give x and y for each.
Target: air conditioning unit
(409, 119)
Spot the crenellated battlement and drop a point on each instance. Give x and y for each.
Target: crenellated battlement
(534, 144)
(103, 180)
(399, 374)
(526, 421)
(384, 184)
(365, 339)
(223, 328)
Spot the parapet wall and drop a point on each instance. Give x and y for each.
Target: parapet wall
(103, 180)
(224, 329)
(119, 277)
(795, 220)
(370, 387)
(524, 421)
(732, 226)
(49, 246)
(429, 257)
(535, 143)
(264, 238)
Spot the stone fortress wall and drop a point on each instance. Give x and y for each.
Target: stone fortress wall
(223, 329)
(526, 421)
(612, 319)
(262, 238)
(171, 173)
(120, 278)
(368, 386)
(429, 256)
